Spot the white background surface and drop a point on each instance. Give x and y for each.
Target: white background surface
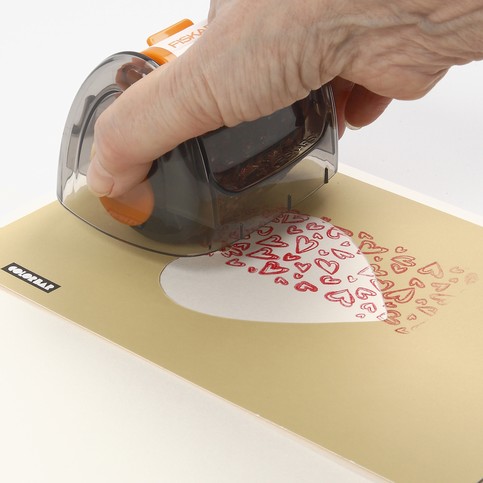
(74, 407)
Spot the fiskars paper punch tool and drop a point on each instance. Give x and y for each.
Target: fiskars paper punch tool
(210, 191)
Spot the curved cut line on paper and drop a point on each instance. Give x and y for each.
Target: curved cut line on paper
(296, 269)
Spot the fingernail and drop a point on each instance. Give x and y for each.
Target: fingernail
(351, 127)
(99, 181)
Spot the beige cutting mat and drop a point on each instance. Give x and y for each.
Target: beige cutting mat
(402, 397)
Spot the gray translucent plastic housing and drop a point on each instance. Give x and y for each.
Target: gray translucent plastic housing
(209, 191)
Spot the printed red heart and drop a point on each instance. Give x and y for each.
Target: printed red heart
(334, 233)
(273, 268)
(390, 305)
(454, 280)
(318, 236)
(471, 278)
(428, 310)
(378, 259)
(378, 272)
(351, 279)
(344, 297)
(402, 296)
(281, 281)
(290, 257)
(297, 276)
(402, 330)
(293, 218)
(265, 253)
(404, 260)
(368, 247)
(325, 218)
(412, 317)
(303, 267)
(346, 244)
(401, 250)
(364, 293)
(440, 287)
(235, 262)
(434, 269)
(329, 266)
(441, 298)
(366, 272)
(421, 301)
(323, 253)
(314, 226)
(305, 244)
(415, 282)
(328, 280)
(231, 251)
(398, 269)
(375, 284)
(265, 230)
(273, 241)
(392, 317)
(363, 234)
(360, 316)
(252, 270)
(293, 230)
(457, 270)
(241, 245)
(370, 307)
(385, 285)
(306, 286)
(342, 254)
(345, 231)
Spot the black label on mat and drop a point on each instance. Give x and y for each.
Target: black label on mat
(30, 277)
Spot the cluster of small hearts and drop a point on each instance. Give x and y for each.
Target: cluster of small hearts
(312, 256)
(303, 269)
(413, 293)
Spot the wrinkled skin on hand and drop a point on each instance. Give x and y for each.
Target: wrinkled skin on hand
(258, 56)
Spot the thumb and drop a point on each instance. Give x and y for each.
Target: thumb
(363, 107)
(154, 115)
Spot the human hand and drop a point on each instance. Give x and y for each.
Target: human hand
(245, 67)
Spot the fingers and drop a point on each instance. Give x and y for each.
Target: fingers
(151, 117)
(356, 106)
(363, 107)
(341, 89)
